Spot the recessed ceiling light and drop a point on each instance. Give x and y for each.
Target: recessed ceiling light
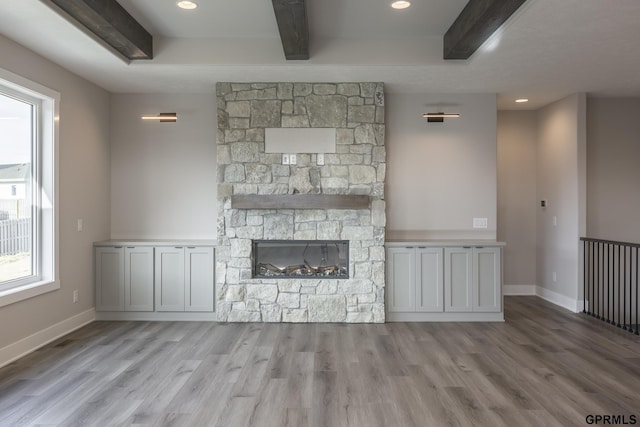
(187, 5)
(400, 4)
(521, 100)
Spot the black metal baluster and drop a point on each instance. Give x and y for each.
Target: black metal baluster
(637, 291)
(612, 294)
(624, 290)
(593, 281)
(612, 286)
(605, 279)
(601, 284)
(619, 299)
(609, 281)
(597, 307)
(605, 285)
(631, 289)
(584, 276)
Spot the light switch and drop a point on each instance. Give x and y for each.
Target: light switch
(480, 222)
(320, 159)
(79, 224)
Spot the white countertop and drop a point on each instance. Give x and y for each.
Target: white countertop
(443, 243)
(157, 242)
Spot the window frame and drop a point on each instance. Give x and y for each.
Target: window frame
(44, 173)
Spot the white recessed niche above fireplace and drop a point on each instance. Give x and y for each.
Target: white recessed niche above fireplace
(300, 140)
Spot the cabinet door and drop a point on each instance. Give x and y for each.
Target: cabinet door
(198, 280)
(401, 276)
(138, 281)
(169, 278)
(458, 279)
(487, 292)
(429, 284)
(109, 278)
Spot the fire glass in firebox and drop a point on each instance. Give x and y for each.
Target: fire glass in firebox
(301, 258)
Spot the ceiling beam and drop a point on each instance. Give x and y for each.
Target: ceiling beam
(476, 23)
(108, 20)
(291, 16)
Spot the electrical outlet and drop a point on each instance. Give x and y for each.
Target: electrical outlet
(292, 159)
(480, 222)
(285, 159)
(320, 159)
(75, 296)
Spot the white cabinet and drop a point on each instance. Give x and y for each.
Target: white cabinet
(446, 282)
(429, 289)
(109, 278)
(487, 280)
(473, 279)
(198, 279)
(401, 271)
(148, 281)
(138, 279)
(184, 278)
(124, 278)
(169, 279)
(414, 279)
(458, 282)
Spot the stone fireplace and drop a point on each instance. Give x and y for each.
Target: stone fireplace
(314, 286)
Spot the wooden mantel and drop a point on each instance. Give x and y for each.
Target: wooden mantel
(300, 201)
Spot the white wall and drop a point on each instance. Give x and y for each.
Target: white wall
(440, 175)
(517, 133)
(561, 180)
(163, 175)
(83, 193)
(613, 180)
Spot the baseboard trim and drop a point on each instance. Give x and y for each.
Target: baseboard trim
(151, 316)
(41, 338)
(553, 297)
(563, 301)
(445, 317)
(519, 290)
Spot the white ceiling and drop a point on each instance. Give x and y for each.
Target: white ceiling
(547, 50)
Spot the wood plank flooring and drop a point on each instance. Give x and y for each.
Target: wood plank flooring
(543, 367)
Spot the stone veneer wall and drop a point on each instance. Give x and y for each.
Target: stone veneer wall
(356, 110)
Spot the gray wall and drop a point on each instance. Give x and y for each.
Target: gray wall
(440, 175)
(542, 156)
(613, 182)
(83, 192)
(561, 181)
(163, 175)
(517, 132)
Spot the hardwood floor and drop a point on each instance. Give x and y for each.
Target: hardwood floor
(543, 367)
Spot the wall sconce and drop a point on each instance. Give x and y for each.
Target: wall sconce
(439, 117)
(163, 117)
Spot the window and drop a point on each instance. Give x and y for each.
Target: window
(27, 184)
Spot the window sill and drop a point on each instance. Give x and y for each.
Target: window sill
(21, 293)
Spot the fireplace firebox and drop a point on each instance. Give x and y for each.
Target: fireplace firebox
(302, 259)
